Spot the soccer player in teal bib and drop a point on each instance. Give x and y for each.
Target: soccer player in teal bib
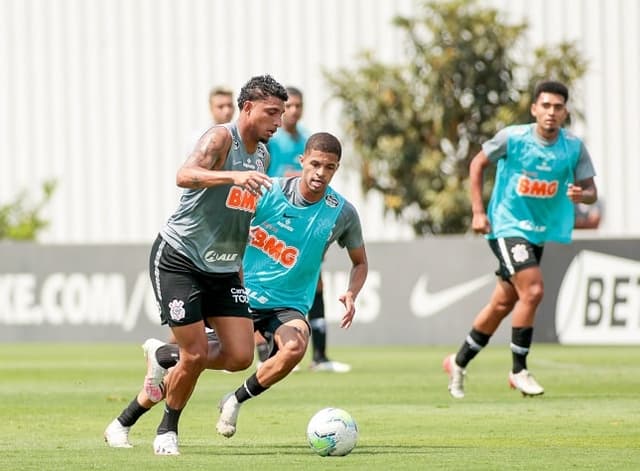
(285, 148)
(294, 224)
(542, 172)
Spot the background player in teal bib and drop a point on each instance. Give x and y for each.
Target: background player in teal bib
(542, 171)
(288, 143)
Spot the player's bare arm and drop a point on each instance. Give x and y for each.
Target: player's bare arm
(210, 152)
(480, 221)
(202, 169)
(584, 191)
(357, 277)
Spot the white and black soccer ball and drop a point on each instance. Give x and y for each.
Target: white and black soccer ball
(332, 432)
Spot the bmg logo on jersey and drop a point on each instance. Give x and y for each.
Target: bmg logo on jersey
(273, 247)
(241, 199)
(239, 295)
(536, 188)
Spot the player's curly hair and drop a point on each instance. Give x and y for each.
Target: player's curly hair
(259, 88)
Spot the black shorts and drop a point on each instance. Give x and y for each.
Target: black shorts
(186, 294)
(267, 321)
(515, 254)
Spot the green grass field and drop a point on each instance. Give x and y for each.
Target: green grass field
(56, 401)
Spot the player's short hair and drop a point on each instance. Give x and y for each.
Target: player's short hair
(220, 90)
(551, 86)
(260, 88)
(294, 91)
(324, 142)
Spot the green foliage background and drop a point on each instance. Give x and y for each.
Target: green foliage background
(417, 124)
(21, 218)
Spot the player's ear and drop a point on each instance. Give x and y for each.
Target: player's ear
(247, 106)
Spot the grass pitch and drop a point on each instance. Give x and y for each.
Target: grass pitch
(56, 400)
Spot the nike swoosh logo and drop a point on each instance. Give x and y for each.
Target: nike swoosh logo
(425, 304)
(290, 216)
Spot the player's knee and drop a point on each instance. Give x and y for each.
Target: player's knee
(533, 294)
(240, 361)
(503, 308)
(293, 351)
(194, 360)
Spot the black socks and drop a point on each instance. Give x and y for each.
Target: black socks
(520, 343)
(249, 389)
(131, 413)
(168, 355)
(318, 328)
(169, 420)
(263, 351)
(472, 345)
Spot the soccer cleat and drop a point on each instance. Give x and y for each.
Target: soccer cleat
(117, 435)
(155, 373)
(331, 366)
(229, 408)
(456, 376)
(525, 383)
(166, 444)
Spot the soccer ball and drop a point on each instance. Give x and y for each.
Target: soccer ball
(332, 432)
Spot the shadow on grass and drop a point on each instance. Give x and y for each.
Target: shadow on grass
(272, 450)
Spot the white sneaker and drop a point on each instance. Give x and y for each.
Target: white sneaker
(331, 366)
(117, 435)
(456, 376)
(229, 408)
(155, 373)
(166, 444)
(525, 383)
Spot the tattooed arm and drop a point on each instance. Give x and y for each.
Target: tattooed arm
(202, 169)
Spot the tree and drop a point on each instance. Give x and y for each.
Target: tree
(21, 219)
(416, 125)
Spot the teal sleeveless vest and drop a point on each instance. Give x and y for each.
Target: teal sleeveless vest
(529, 196)
(286, 246)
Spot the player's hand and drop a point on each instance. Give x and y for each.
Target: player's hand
(480, 223)
(350, 310)
(574, 192)
(252, 181)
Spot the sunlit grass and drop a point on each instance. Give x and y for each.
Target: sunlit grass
(57, 399)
